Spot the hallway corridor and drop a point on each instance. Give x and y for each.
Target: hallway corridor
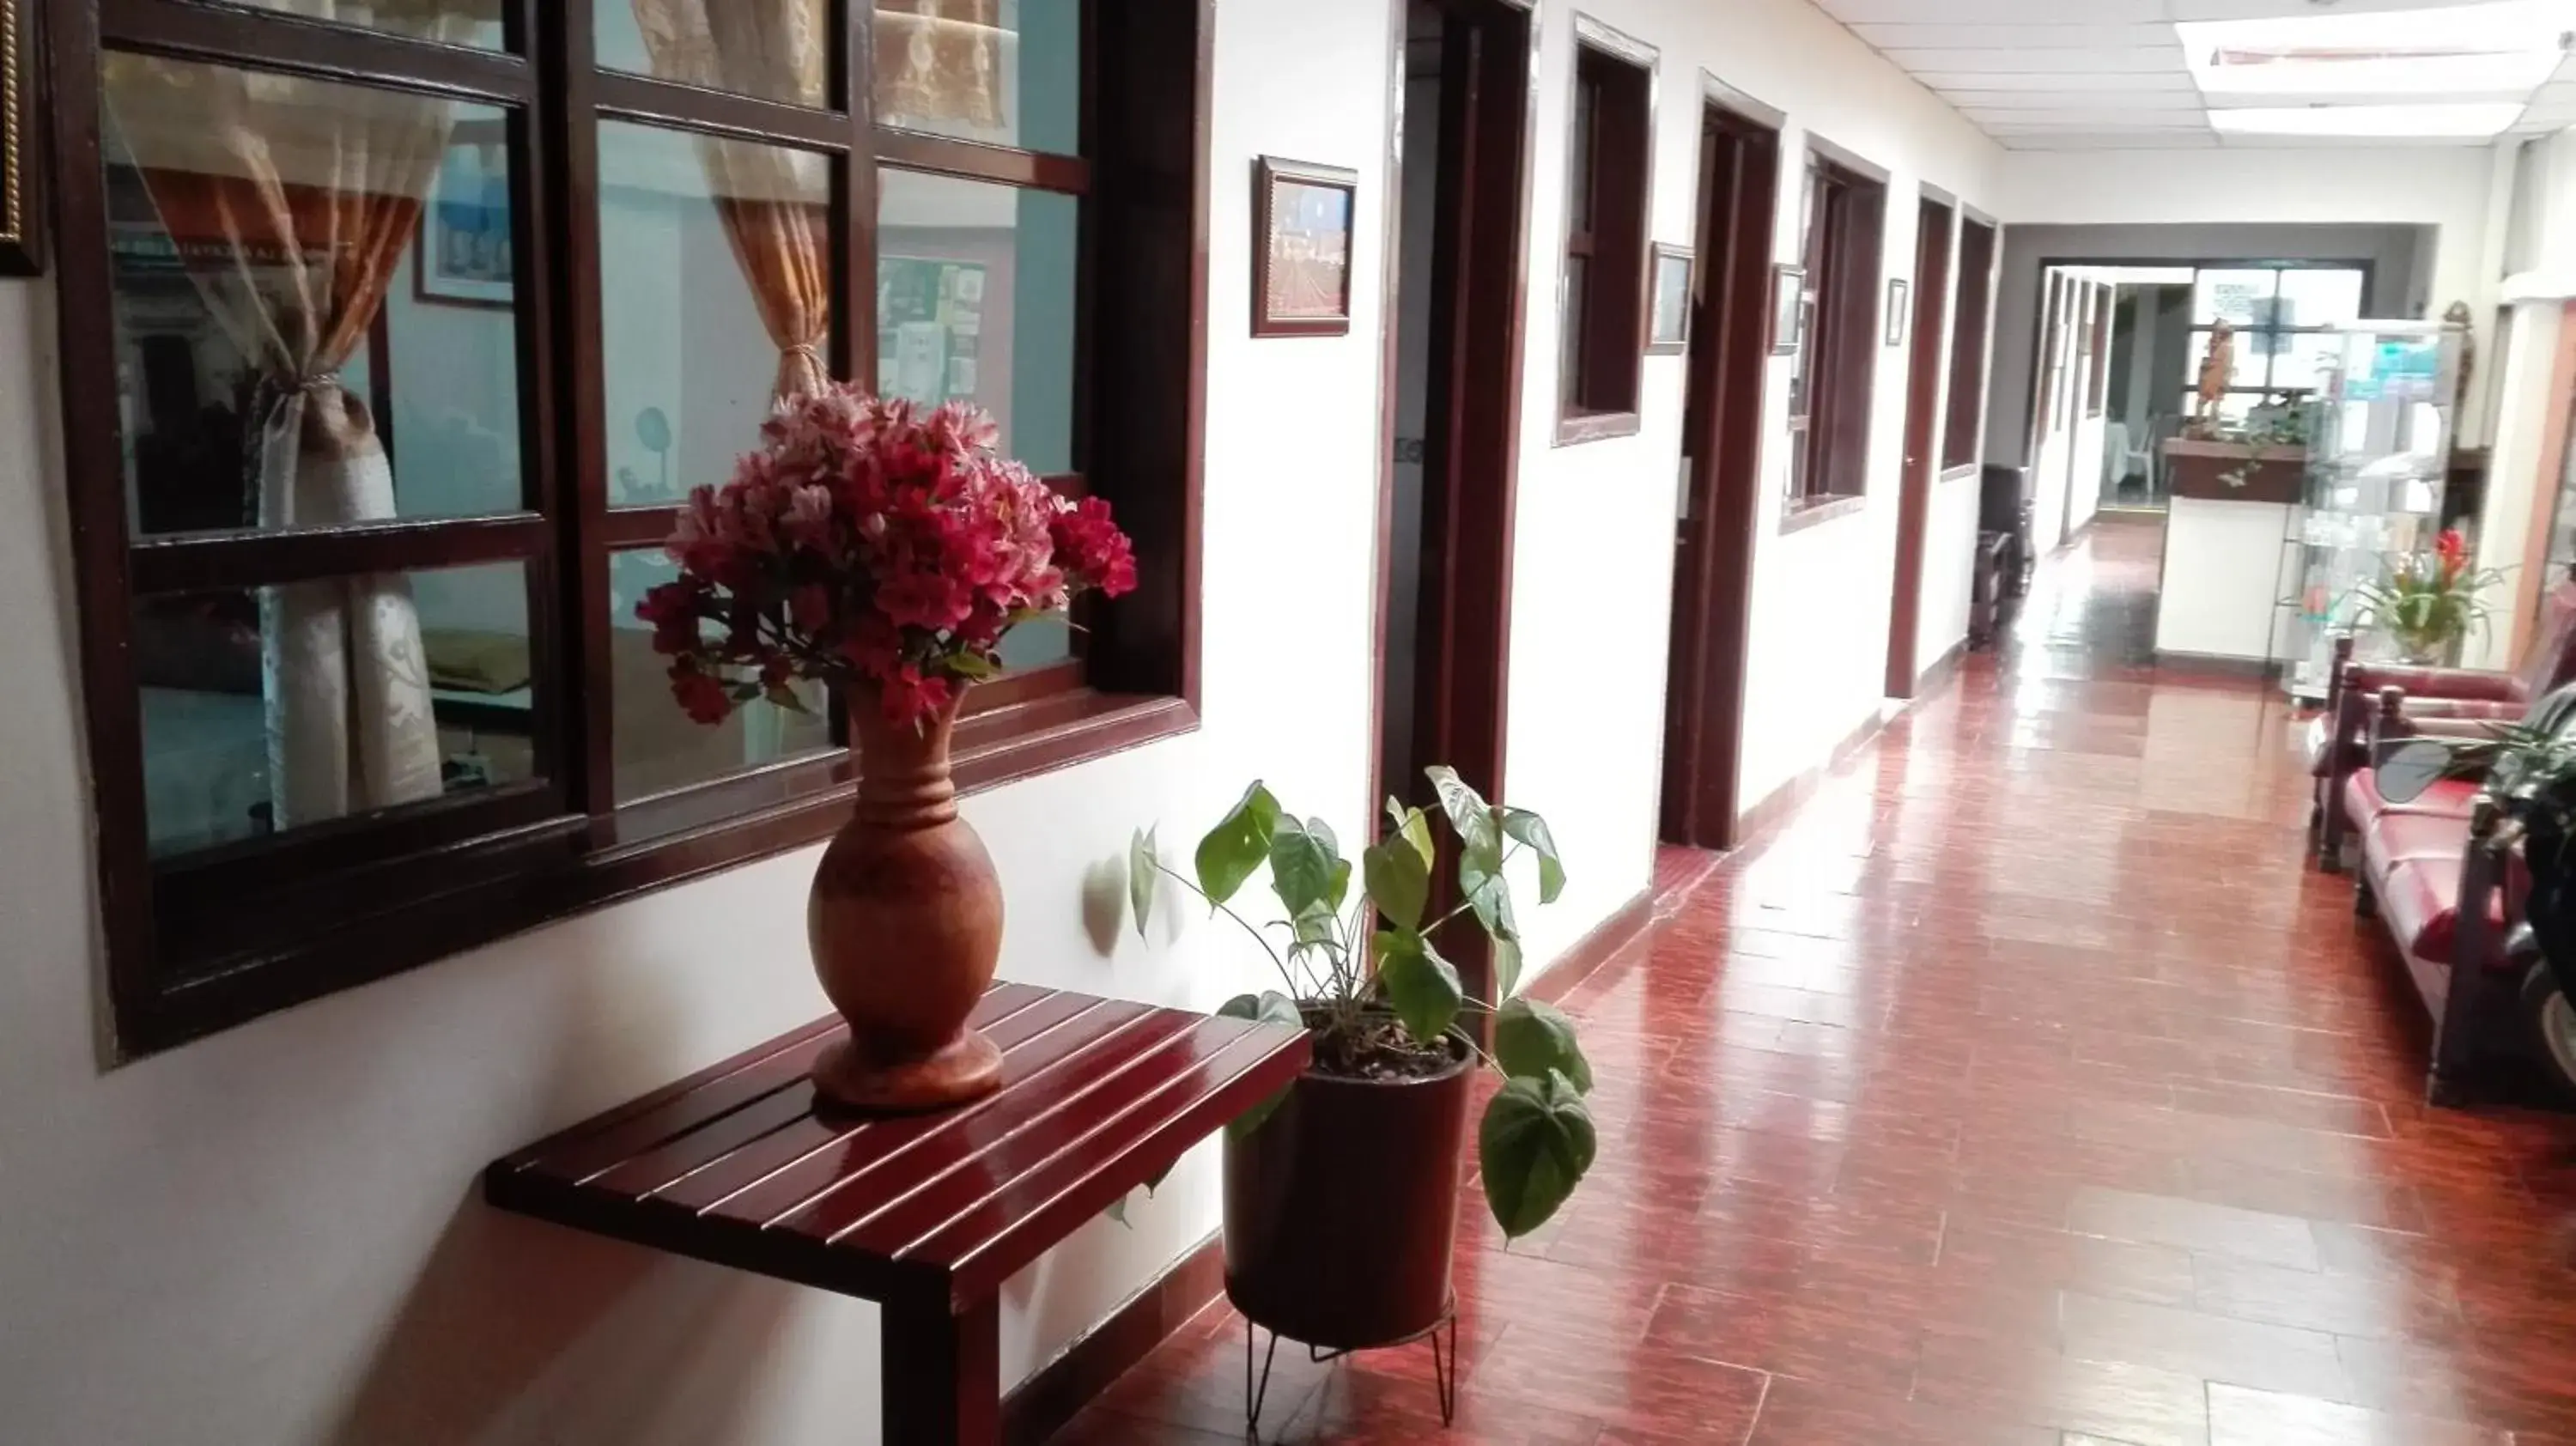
(2026, 1090)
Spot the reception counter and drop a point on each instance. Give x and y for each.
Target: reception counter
(2232, 555)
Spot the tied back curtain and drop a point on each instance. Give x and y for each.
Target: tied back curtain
(773, 202)
(293, 202)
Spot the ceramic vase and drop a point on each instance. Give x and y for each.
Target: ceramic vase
(905, 921)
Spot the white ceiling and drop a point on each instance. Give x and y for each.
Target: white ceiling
(2102, 74)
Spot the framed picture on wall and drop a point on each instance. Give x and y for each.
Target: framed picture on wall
(1303, 219)
(1668, 298)
(1788, 311)
(463, 255)
(1897, 316)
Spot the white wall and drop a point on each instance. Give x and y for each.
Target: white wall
(272, 1236)
(1592, 566)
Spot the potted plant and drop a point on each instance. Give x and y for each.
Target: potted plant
(883, 551)
(1341, 1194)
(2428, 601)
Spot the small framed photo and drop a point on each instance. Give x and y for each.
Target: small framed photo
(463, 254)
(1897, 314)
(1302, 222)
(1668, 300)
(1788, 309)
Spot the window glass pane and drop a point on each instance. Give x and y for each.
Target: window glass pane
(1036, 643)
(774, 49)
(1579, 156)
(2240, 298)
(2320, 297)
(716, 259)
(272, 708)
(975, 302)
(289, 351)
(2304, 357)
(1569, 342)
(657, 748)
(1004, 72)
(455, 22)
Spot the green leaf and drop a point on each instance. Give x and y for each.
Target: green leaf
(1238, 843)
(1468, 812)
(785, 697)
(1117, 1210)
(1399, 881)
(1507, 968)
(1532, 1040)
(1269, 1007)
(1155, 1181)
(1535, 1144)
(1480, 878)
(1531, 830)
(1340, 891)
(1414, 827)
(1318, 925)
(1421, 987)
(1301, 867)
(1143, 869)
(974, 667)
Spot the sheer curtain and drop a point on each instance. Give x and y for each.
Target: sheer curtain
(772, 201)
(293, 203)
(940, 61)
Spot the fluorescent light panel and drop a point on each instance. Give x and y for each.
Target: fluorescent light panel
(2502, 49)
(2466, 122)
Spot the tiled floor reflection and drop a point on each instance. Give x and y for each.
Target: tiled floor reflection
(2026, 1089)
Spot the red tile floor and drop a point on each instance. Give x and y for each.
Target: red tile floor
(2026, 1088)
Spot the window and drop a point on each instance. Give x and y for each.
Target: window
(1968, 348)
(1830, 386)
(1602, 318)
(2280, 315)
(2097, 355)
(391, 345)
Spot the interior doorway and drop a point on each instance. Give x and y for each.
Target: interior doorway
(1451, 408)
(1934, 241)
(2152, 365)
(1720, 493)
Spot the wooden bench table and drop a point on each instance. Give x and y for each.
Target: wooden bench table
(925, 1214)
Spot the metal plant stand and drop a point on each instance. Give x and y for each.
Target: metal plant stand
(1444, 1364)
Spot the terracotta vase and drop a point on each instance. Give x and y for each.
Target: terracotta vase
(905, 921)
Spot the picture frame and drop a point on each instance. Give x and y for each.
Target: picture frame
(22, 225)
(1788, 308)
(1898, 316)
(1668, 299)
(1304, 217)
(463, 255)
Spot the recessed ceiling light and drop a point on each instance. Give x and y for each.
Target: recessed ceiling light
(2389, 122)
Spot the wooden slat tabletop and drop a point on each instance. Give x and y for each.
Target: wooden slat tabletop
(734, 1165)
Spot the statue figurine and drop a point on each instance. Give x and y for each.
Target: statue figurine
(2459, 316)
(2217, 368)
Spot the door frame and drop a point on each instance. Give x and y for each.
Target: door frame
(1935, 256)
(1472, 422)
(1718, 526)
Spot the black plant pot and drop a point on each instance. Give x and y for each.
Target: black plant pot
(1341, 1210)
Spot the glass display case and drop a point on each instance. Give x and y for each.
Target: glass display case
(2380, 426)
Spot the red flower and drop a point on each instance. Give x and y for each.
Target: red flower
(909, 695)
(705, 699)
(2453, 551)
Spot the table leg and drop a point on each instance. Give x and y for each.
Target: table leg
(942, 1381)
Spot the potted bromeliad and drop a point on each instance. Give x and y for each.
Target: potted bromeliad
(882, 550)
(2428, 601)
(1341, 1193)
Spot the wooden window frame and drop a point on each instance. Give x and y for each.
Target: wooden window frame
(1841, 241)
(1609, 201)
(1968, 342)
(201, 942)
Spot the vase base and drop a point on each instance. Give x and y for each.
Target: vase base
(966, 1068)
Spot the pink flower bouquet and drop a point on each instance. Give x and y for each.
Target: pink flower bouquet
(873, 547)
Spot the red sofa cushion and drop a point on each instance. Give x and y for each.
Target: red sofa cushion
(2413, 863)
(2449, 798)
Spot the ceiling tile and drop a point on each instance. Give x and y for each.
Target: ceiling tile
(1946, 35)
(2094, 141)
(2185, 101)
(2107, 84)
(2030, 60)
(1995, 12)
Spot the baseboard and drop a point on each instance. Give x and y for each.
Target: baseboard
(1941, 670)
(1043, 1404)
(1775, 807)
(1595, 948)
